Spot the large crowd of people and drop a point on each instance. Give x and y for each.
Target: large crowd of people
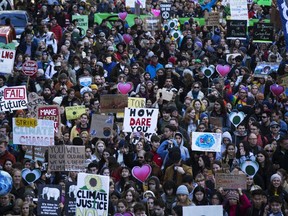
(155, 60)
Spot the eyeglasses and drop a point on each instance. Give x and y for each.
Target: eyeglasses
(273, 127)
(134, 68)
(150, 203)
(263, 116)
(197, 87)
(140, 157)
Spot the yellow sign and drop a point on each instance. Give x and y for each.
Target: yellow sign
(133, 102)
(26, 122)
(74, 112)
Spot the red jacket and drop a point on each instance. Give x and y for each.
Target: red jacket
(244, 205)
(57, 30)
(5, 156)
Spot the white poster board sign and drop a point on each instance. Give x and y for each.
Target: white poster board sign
(7, 58)
(211, 210)
(238, 9)
(40, 135)
(204, 141)
(13, 98)
(140, 120)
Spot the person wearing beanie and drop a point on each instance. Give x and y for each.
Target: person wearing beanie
(226, 139)
(238, 203)
(198, 53)
(182, 198)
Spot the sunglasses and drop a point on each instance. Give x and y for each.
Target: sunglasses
(275, 127)
(269, 150)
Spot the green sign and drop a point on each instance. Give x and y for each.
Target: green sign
(82, 22)
(263, 2)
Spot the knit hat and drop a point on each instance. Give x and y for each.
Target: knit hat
(203, 115)
(275, 176)
(227, 135)
(182, 189)
(199, 44)
(233, 195)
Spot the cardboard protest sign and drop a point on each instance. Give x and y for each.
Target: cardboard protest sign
(263, 69)
(239, 10)
(133, 102)
(216, 122)
(230, 181)
(50, 112)
(166, 95)
(13, 98)
(236, 29)
(101, 126)
(152, 24)
(203, 141)
(34, 100)
(40, 135)
(7, 57)
(82, 23)
(111, 103)
(92, 194)
(263, 33)
(70, 198)
(39, 153)
(74, 112)
(165, 9)
(213, 19)
(66, 158)
(211, 210)
(49, 198)
(140, 120)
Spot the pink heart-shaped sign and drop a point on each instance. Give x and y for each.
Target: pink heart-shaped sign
(223, 70)
(277, 89)
(155, 12)
(127, 38)
(122, 15)
(142, 173)
(125, 88)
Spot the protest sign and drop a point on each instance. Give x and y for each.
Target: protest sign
(133, 103)
(50, 112)
(49, 198)
(263, 2)
(152, 24)
(230, 181)
(101, 126)
(236, 29)
(213, 19)
(34, 100)
(13, 98)
(70, 198)
(39, 153)
(140, 120)
(111, 103)
(263, 32)
(66, 158)
(74, 112)
(41, 135)
(165, 9)
(7, 57)
(166, 95)
(283, 8)
(203, 141)
(211, 210)
(30, 68)
(217, 122)
(263, 69)
(131, 3)
(92, 194)
(82, 23)
(239, 10)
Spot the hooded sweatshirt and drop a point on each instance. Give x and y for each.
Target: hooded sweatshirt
(223, 146)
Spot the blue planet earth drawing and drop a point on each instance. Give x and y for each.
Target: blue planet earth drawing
(205, 141)
(5, 183)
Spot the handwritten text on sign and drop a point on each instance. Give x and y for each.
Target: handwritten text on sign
(140, 120)
(13, 98)
(7, 60)
(41, 135)
(50, 112)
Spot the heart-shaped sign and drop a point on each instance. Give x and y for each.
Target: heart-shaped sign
(223, 70)
(142, 173)
(125, 88)
(236, 118)
(31, 176)
(277, 89)
(250, 167)
(155, 12)
(208, 71)
(122, 15)
(127, 38)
